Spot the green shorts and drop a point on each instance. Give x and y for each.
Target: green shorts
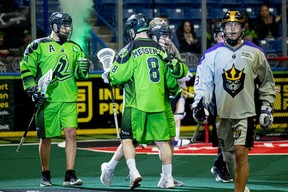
(53, 117)
(170, 119)
(148, 127)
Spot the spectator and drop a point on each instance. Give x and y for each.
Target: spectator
(4, 50)
(188, 39)
(249, 33)
(267, 25)
(26, 40)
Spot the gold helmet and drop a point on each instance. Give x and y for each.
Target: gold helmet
(233, 16)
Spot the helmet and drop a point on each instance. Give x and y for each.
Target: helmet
(217, 29)
(159, 30)
(136, 23)
(60, 18)
(233, 16)
(158, 20)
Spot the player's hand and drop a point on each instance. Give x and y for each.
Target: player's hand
(83, 64)
(105, 77)
(200, 112)
(165, 43)
(186, 78)
(36, 95)
(266, 117)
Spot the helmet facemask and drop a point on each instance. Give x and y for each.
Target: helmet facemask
(236, 20)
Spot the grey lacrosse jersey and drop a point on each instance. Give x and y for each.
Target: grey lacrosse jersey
(232, 74)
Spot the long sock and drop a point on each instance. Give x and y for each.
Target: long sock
(167, 170)
(112, 164)
(131, 164)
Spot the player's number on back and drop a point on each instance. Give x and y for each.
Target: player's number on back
(153, 66)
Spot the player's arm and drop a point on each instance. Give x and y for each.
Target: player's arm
(122, 68)
(28, 66)
(172, 84)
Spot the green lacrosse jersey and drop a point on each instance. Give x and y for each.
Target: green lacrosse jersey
(44, 54)
(144, 76)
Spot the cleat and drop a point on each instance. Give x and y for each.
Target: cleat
(135, 179)
(45, 179)
(221, 174)
(106, 174)
(71, 179)
(167, 182)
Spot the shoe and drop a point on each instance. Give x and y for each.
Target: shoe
(178, 183)
(45, 179)
(221, 174)
(181, 142)
(71, 179)
(135, 179)
(167, 182)
(106, 174)
(246, 189)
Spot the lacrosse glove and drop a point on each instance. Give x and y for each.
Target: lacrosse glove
(105, 77)
(266, 117)
(83, 64)
(36, 95)
(200, 112)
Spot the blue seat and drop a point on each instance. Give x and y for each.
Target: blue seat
(193, 13)
(174, 14)
(127, 13)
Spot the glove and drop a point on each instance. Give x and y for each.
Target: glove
(200, 112)
(166, 57)
(36, 95)
(165, 43)
(105, 77)
(186, 78)
(83, 64)
(266, 118)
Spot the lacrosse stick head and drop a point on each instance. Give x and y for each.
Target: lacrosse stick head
(44, 81)
(106, 57)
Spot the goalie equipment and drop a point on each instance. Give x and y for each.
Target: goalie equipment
(200, 112)
(106, 57)
(266, 117)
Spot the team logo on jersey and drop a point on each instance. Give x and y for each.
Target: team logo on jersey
(247, 55)
(233, 81)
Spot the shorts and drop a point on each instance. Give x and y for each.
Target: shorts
(144, 127)
(233, 132)
(53, 117)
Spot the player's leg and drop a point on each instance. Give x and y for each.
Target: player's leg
(130, 131)
(68, 115)
(107, 168)
(243, 142)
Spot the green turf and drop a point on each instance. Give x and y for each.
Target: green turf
(22, 171)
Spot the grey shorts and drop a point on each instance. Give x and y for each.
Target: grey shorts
(233, 132)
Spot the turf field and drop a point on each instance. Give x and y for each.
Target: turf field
(20, 171)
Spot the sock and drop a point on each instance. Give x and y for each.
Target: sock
(167, 170)
(112, 164)
(131, 164)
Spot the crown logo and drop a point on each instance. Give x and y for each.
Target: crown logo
(233, 74)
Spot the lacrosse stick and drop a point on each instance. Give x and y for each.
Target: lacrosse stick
(193, 139)
(106, 57)
(42, 84)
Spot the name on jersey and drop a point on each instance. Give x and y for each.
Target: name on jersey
(141, 51)
(247, 55)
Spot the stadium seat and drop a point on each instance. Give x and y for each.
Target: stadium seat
(174, 14)
(193, 13)
(127, 13)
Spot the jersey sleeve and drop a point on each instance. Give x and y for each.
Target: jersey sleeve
(203, 85)
(28, 65)
(122, 69)
(267, 91)
(78, 73)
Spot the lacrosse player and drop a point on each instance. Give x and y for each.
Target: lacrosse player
(219, 168)
(57, 109)
(140, 68)
(230, 70)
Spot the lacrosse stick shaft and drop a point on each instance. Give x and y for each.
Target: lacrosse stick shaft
(115, 113)
(189, 94)
(26, 131)
(206, 128)
(193, 140)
